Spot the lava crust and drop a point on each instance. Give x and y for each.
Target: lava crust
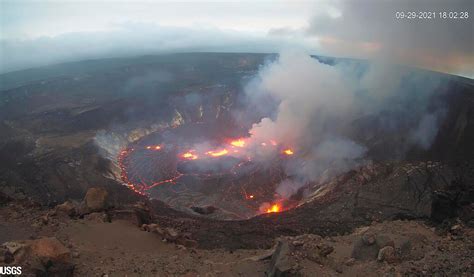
(181, 171)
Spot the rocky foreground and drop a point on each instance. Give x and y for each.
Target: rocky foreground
(93, 238)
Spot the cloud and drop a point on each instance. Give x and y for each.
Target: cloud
(362, 29)
(131, 39)
(370, 29)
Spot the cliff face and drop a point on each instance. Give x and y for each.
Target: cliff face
(387, 137)
(455, 140)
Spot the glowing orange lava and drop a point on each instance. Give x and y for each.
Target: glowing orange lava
(217, 153)
(288, 152)
(238, 143)
(154, 147)
(190, 156)
(275, 208)
(251, 196)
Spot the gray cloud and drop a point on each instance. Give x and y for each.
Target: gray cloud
(129, 40)
(364, 29)
(370, 28)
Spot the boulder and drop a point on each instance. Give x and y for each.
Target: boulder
(14, 246)
(96, 199)
(324, 249)
(387, 254)
(41, 257)
(17, 250)
(282, 263)
(50, 249)
(367, 247)
(53, 258)
(362, 251)
(68, 208)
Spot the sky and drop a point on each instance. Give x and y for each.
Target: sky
(40, 32)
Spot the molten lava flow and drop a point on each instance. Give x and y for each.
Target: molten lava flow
(217, 153)
(275, 208)
(233, 158)
(171, 180)
(154, 147)
(190, 156)
(238, 143)
(123, 174)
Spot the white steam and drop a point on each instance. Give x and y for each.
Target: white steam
(427, 129)
(318, 103)
(307, 91)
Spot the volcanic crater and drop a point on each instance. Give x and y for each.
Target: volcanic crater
(122, 122)
(205, 169)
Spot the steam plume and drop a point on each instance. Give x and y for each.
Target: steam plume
(317, 104)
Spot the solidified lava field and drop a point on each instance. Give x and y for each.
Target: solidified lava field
(204, 168)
